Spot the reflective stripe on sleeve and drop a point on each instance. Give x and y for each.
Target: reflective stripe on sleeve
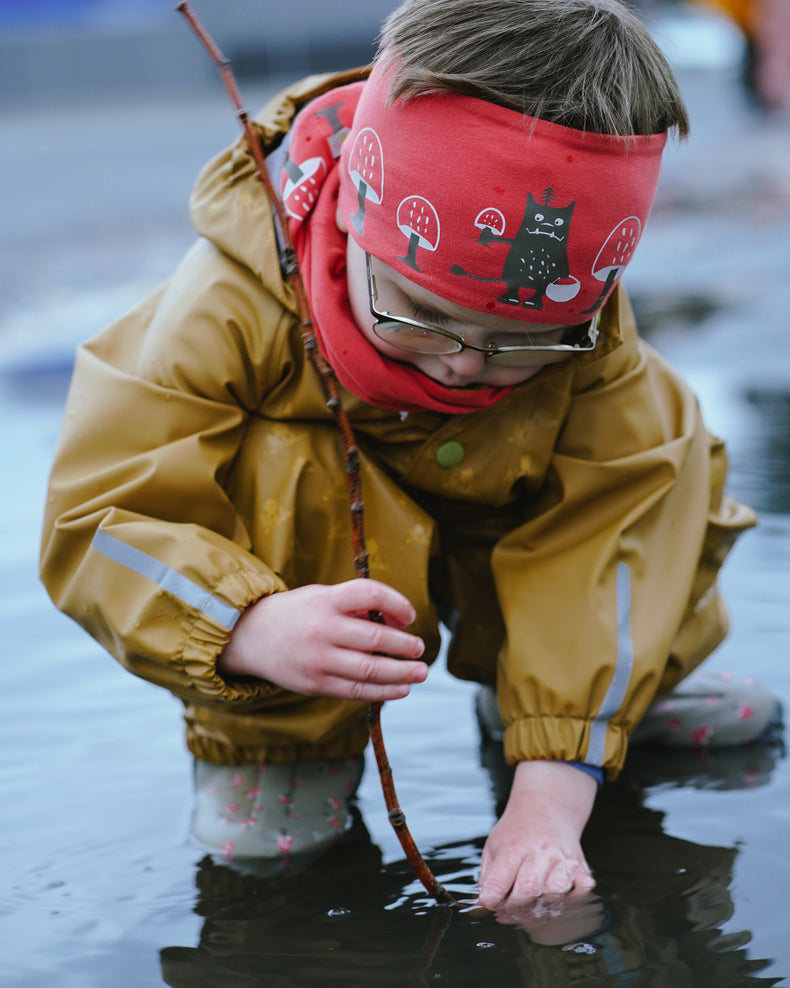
(622, 673)
(173, 583)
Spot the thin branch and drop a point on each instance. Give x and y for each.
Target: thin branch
(351, 454)
(396, 815)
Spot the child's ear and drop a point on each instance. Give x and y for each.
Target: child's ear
(341, 221)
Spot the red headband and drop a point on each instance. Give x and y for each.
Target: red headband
(492, 210)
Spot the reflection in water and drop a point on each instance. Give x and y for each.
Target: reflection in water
(349, 919)
(745, 767)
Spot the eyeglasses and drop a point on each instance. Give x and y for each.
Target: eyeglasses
(419, 337)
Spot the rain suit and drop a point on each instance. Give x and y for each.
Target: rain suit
(569, 536)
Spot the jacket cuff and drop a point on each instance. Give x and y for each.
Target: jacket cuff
(567, 739)
(206, 640)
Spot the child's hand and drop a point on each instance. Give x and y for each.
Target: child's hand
(534, 849)
(319, 640)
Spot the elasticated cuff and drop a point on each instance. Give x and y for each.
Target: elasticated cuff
(206, 640)
(567, 739)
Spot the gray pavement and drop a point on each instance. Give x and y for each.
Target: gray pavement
(95, 208)
(134, 47)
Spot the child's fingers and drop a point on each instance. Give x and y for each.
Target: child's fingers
(557, 881)
(551, 880)
(378, 669)
(344, 689)
(495, 885)
(358, 676)
(566, 875)
(363, 635)
(361, 596)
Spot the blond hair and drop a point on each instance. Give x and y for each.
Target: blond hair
(587, 64)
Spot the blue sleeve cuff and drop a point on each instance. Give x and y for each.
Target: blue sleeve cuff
(593, 770)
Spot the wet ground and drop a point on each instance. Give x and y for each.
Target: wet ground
(100, 885)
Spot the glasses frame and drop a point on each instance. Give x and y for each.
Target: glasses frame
(457, 343)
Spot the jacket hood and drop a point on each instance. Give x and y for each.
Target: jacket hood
(229, 206)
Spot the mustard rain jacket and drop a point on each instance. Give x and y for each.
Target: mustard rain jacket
(571, 534)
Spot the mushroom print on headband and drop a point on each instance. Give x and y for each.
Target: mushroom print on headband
(418, 220)
(304, 174)
(614, 255)
(366, 169)
(523, 218)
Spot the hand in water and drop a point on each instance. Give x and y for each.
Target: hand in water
(534, 849)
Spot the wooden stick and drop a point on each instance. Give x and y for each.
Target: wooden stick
(351, 454)
(396, 815)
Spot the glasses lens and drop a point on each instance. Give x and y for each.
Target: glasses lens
(575, 339)
(523, 358)
(418, 339)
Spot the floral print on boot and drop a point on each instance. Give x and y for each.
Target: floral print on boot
(712, 709)
(266, 811)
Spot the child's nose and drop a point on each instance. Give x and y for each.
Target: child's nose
(465, 363)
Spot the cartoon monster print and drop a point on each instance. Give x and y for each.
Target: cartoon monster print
(538, 254)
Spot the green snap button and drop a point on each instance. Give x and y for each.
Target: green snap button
(450, 454)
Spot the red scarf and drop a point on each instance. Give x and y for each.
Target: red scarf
(321, 251)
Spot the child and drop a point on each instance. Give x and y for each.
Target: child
(534, 475)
